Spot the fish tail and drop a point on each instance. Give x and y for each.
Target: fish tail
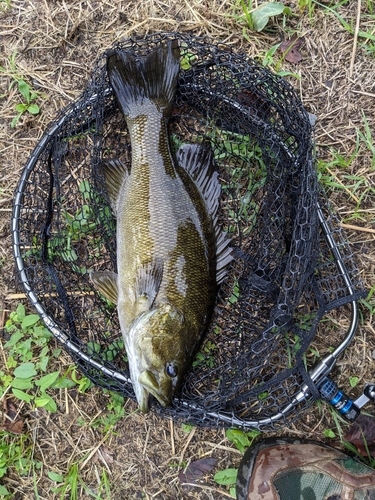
(136, 81)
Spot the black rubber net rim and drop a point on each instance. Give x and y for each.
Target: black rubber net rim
(268, 105)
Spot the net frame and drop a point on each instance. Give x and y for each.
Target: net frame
(204, 83)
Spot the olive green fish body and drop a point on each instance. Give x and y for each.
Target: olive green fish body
(170, 254)
(159, 224)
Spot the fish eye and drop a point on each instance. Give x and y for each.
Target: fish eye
(171, 370)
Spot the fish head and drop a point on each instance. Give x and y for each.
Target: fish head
(157, 353)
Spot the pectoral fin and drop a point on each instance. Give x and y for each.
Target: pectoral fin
(106, 283)
(148, 283)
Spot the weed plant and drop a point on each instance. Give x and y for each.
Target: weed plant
(29, 96)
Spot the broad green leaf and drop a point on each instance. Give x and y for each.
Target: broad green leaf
(329, 433)
(51, 406)
(3, 490)
(20, 311)
(24, 89)
(54, 476)
(262, 14)
(238, 438)
(92, 348)
(43, 363)
(41, 401)
(25, 370)
(22, 383)
(226, 476)
(30, 320)
(22, 395)
(21, 108)
(63, 383)
(15, 120)
(15, 337)
(33, 109)
(47, 380)
(232, 491)
(46, 401)
(353, 381)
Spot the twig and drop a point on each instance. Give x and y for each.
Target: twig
(92, 453)
(358, 228)
(172, 436)
(355, 38)
(363, 93)
(208, 488)
(190, 437)
(221, 447)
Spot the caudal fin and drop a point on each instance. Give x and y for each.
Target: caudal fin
(150, 78)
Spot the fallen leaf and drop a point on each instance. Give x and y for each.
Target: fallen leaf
(195, 470)
(291, 49)
(12, 422)
(362, 435)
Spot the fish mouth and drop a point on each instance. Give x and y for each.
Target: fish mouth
(142, 397)
(149, 383)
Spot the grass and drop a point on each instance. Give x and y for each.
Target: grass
(43, 35)
(28, 104)
(29, 380)
(242, 440)
(256, 17)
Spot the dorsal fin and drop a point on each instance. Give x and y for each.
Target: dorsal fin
(198, 161)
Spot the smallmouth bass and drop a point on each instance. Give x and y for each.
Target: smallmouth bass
(171, 255)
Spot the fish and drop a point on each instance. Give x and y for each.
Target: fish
(171, 252)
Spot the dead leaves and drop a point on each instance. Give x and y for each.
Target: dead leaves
(362, 435)
(196, 470)
(290, 49)
(12, 422)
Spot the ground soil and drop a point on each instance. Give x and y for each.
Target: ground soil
(57, 44)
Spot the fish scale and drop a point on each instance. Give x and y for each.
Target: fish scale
(168, 245)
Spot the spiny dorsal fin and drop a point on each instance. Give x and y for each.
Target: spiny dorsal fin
(223, 255)
(148, 283)
(106, 283)
(198, 161)
(153, 77)
(115, 173)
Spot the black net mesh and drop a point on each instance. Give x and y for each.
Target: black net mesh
(284, 278)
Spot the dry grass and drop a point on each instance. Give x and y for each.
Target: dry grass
(57, 43)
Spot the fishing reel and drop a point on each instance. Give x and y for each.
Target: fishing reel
(348, 408)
